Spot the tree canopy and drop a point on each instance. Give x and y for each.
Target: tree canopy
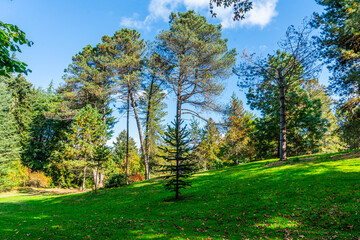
(11, 37)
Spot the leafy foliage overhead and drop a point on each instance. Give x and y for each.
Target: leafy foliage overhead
(11, 37)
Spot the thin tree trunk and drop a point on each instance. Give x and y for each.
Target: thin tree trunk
(101, 180)
(95, 173)
(127, 136)
(84, 179)
(148, 130)
(140, 132)
(178, 153)
(101, 174)
(283, 145)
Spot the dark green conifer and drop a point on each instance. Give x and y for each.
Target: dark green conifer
(9, 140)
(177, 153)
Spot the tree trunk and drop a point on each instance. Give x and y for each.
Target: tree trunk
(127, 136)
(101, 174)
(147, 131)
(140, 136)
(95, 173)
(283, 146)
(178, 128)
(101, 180)
(84, 179)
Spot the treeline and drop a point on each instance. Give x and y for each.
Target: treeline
(57, 137)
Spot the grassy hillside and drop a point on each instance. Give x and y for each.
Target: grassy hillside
(316, 198)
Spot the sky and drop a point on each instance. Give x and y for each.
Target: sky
(61, 28)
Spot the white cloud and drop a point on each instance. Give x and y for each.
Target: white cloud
(133, 22)
(161, 9)
(262, 13)
(263, 48)
(196, 4)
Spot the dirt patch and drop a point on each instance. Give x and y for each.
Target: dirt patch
(346, 156)
(275, 164)
(350, 155)
(40, 191)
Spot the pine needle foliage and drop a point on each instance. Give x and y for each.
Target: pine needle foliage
(9, 140)
(178, 155)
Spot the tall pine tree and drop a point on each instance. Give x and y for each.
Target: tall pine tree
(152, 106)
(124, 56)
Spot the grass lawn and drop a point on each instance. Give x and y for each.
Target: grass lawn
(318, 198)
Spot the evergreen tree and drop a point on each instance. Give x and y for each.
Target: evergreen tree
(305, 125)
(9, 140)
(177, 153)
(296, 61)
(124, 57)
(152, 107)
(239, 127)
(88, 80)
(22, 107)
(348, 116)
(46, 132)
(209, 147)
(119, 152)
(195, 136)
(340, 44)
(199, 60)
(330, 142)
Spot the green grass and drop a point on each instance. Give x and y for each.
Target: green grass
(316, 199)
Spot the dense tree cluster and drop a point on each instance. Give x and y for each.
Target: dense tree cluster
(62, 134)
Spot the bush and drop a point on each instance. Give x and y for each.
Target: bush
(116, 180)
(136, 178)
(17, 177)
(37, 179)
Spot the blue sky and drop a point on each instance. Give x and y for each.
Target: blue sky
(61, 28)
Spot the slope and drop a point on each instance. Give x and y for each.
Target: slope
(315, 198)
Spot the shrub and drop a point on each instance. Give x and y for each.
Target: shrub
(18, 176)
(37, 179)
(136, 178)
(116, 180)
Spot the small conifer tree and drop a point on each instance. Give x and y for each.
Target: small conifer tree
(177, 153)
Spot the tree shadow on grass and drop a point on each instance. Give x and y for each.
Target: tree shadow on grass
(249, 201)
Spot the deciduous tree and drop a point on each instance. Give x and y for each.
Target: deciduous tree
(86, 136)
(11, 37)
(240, 7)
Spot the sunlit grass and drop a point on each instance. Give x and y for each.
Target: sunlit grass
(318, 198)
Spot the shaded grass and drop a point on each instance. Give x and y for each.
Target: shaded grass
(314, 199)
